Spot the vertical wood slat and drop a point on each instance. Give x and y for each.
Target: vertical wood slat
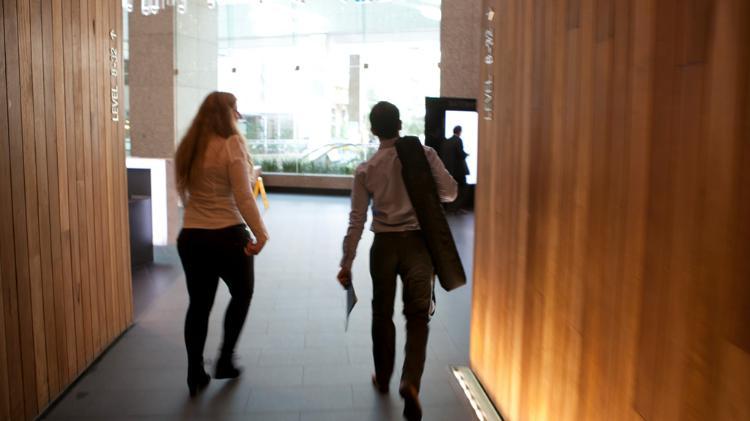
(64, 279)
(46, 285)
(31, 140)
(638, 107)
(585, 141)
(118, 155)
(61, 91)
(61, 178)
(7, 266)
(91, 138)
(552, 371)
(611, 268)
(82, 138)
(55, 211)
(25, 215)
(656, 332)
(74, 129)
(105, 162)
(94, 53)
(112, 176)
(105, 140)
(83, 178)
(569, 359)
(21, 376)
(105, 153)
(4, 376)
(89, 22)
(103, 27)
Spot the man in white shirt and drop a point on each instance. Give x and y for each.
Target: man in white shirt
(399, 249)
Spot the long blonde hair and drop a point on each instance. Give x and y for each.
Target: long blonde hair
(216, 116)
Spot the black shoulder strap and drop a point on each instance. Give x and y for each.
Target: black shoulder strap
(422, 190)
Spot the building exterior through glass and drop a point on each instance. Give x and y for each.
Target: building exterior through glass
(307, 73)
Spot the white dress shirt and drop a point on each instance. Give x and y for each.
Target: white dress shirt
(379, 179)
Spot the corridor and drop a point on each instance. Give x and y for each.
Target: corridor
(299, 363)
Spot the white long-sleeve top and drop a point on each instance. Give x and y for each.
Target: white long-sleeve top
(222, 196)
(379, 179)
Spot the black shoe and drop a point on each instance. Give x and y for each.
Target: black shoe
(412, 407)
(225, 369)
(382, 389)
(197, 382)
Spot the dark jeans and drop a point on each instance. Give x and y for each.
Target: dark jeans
(400, 254)
(207, 255)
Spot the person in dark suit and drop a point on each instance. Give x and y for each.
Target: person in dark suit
(454, 157)
(399, 249)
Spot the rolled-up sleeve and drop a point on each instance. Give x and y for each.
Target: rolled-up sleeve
(357, 218)
(239, 178)
(446, 186)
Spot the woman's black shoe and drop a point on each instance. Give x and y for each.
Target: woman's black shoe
(197, 382)
(225, 369)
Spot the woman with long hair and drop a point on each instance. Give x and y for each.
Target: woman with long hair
(213, 175)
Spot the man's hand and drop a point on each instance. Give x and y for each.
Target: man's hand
(344, 277)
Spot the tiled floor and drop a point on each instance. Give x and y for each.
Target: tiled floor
(299, 363)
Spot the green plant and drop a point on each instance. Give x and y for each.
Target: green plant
(289, 166)
(269, 165)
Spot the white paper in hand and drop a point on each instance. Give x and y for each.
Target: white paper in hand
(351, 300)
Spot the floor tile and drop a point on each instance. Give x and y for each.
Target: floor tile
(300, 398)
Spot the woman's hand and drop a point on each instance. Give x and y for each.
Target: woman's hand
(253, 248)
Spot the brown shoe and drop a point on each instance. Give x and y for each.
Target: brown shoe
(412, 407)
(382, 389)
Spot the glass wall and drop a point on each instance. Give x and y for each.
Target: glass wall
(307, 73)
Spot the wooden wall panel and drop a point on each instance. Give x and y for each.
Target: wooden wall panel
(611, 267)
(64, 264)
